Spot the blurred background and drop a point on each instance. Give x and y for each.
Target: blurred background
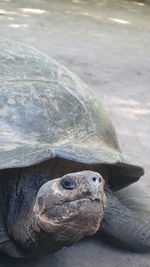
(106, 43)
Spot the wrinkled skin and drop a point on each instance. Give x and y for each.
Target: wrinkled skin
(44, 214)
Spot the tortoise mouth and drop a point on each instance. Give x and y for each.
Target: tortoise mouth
(85, 199)
(64, 211)
(91, 198)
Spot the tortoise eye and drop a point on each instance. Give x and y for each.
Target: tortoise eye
(68, 184)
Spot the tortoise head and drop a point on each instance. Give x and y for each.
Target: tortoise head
(43, 219)
(70, 207)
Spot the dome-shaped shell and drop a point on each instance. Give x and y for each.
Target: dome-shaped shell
(46, 111)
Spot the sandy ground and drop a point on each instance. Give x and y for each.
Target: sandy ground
(107, 43)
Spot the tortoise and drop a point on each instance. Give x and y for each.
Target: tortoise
(62, 173)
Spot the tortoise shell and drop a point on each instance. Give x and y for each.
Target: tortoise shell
(46, 111)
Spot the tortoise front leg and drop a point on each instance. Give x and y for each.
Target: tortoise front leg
(127, 219)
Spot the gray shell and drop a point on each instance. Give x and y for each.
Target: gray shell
(46, 111)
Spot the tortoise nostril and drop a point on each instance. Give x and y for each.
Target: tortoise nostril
(94, 179)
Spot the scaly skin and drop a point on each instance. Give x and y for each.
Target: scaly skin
(127, 219)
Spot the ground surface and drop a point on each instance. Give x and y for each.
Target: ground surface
(107, 43)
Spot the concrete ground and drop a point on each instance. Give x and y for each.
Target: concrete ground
(107, 43)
